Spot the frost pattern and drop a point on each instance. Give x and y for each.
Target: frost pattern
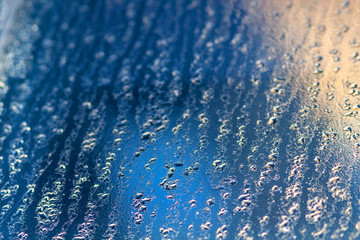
(154, 119)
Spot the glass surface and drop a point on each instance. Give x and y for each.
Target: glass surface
(176, 119)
